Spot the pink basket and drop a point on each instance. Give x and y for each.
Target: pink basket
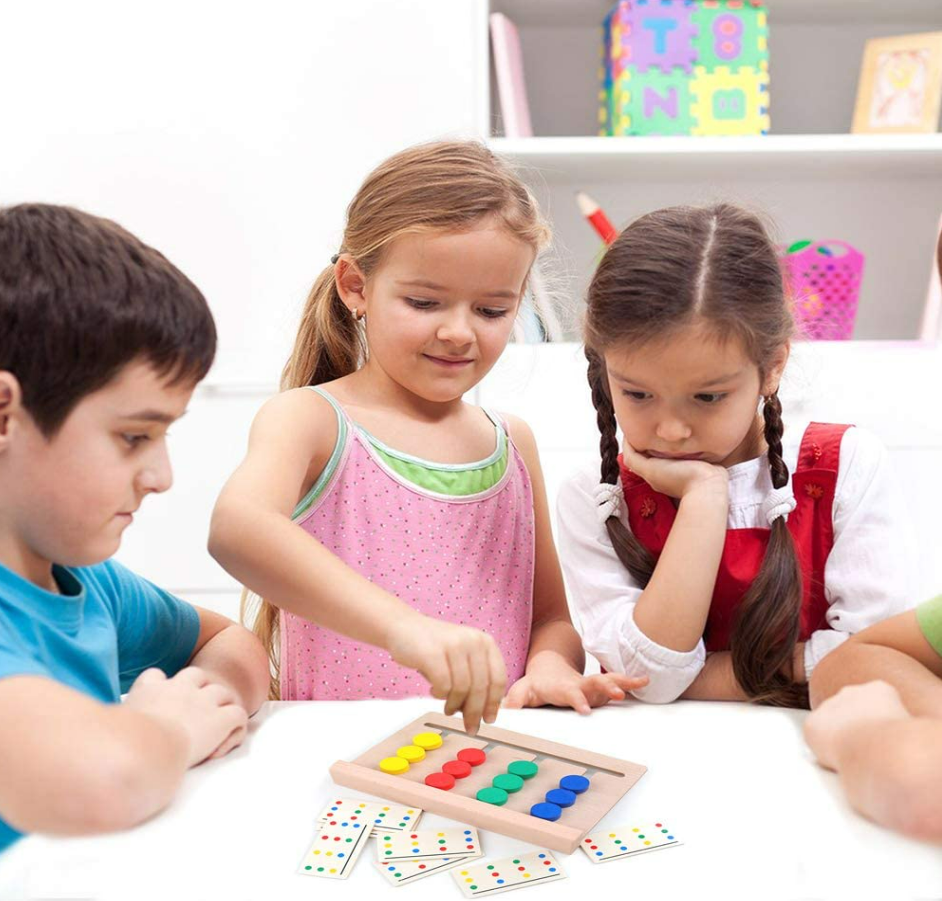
(824, 281)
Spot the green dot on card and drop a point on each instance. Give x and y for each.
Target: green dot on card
(525, 769)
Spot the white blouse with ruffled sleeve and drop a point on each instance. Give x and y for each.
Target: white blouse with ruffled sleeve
(869, 574)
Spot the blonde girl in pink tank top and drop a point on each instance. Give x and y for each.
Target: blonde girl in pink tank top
(399, 536)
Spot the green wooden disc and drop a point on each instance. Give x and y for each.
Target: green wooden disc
(525, 769)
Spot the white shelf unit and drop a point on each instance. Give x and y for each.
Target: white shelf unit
(881, 193)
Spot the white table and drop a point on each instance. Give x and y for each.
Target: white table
(758, 818)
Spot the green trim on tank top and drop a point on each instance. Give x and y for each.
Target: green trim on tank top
(452, 479)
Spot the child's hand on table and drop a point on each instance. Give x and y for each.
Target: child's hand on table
(205, 712)
(463, 665)
(551, 680)
(852, 706)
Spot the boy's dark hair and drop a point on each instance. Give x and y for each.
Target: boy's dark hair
(80, 298)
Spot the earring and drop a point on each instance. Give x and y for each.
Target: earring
(359, 314)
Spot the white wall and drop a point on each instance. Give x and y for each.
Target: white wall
(229, 135)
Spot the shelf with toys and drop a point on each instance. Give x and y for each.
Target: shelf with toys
(881, 193)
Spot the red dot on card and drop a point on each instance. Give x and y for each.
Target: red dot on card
(421, 866)
(336, 838)
(588, 840)
(442, 848)
(471, 847)
(474, 756)
(495, 874)
(413, 835)
(594, 847)
(521, 868)
(352, 818)
(546, 863)
(457, 768)
(658, 825)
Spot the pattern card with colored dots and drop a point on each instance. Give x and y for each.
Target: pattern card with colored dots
(379, 814)
(427, 844)
(533, 868)
(406, 871)
(334, 851)
(627, 841)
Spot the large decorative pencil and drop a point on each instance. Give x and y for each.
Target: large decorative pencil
(597, 218)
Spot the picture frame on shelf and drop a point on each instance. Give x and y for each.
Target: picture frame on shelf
(900, 85)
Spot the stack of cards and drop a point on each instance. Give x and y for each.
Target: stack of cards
(379, 814)
(627, 841)
(533, 868)
(343, 829)
(404, 857)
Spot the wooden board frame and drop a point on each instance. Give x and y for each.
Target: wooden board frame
(611, 779)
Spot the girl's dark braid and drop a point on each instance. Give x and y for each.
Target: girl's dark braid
(633, 554)
(772, 414)
(605, 417)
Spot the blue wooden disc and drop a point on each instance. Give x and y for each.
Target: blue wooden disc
(577, 784)
(545, 811)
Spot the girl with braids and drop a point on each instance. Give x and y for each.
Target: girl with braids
(385, 573)
(716, 554)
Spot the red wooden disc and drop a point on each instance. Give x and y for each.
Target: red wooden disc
(457, 768)
(474, 756)
(440, 780)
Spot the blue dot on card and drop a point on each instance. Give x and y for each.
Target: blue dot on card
(340, 854)
(356, 825)
(333, 808)
(500, 881)
(552, 869)
(623, 848)
(467, 832)
(390, 868)
(415, 850)
(598, 853)
(671, 837)
(542, 856)
(407, 818)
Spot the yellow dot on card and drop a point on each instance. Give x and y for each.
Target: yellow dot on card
(526, 875)
(333, 870)
(415, 844)
(411, 753)
(469, 880)
(395, 766)
(635, 830)
(440, 834)
(427, 741)
(317, 852)
(612, 834)
(464, 872)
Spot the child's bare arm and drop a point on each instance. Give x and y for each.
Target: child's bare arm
(895, 651)
(672, 610)
(252, 536)
(556, 659)
(232, 656)
(73, 765)
(889, 761)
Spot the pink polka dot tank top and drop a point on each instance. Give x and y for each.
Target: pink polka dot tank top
(466, 558)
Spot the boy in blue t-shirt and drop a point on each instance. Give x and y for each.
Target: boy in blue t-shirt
(102, 342)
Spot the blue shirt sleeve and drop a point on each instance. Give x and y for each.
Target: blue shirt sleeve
(154, 628)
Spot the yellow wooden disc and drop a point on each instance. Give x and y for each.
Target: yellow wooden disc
(427, 741)
(411, 753)
(395, 766)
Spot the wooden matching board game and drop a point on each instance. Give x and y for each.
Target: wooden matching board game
(535, 790)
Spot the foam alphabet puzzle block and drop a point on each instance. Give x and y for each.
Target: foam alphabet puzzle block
(684, 67)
